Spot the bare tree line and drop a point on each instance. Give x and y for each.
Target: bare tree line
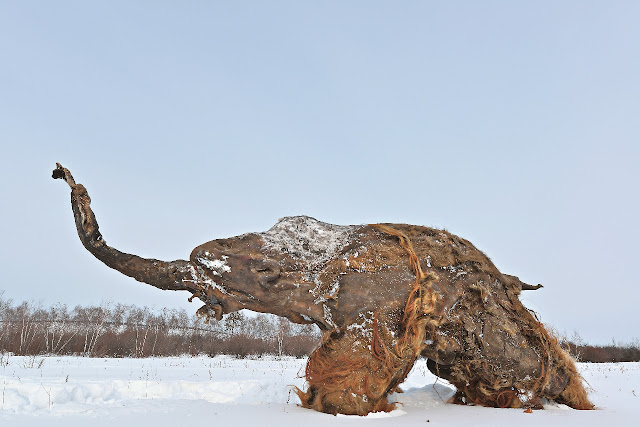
(118, 330)
(611, 353)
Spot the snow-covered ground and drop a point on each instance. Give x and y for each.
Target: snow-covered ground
(76, 391)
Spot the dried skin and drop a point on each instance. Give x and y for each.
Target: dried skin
(383, 295)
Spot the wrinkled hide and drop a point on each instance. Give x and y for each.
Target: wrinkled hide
(382, 295)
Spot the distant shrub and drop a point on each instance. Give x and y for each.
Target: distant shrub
(604, 354)
(130, 331)
(300, 345)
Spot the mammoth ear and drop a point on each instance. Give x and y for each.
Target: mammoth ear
(268, 273)
(266, 270)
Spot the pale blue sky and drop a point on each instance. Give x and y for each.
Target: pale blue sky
(513, 125)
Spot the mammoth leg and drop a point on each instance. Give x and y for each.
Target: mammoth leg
(481, 383)
(346, 376)
(573, 393)
(516, 375)
(506, 358)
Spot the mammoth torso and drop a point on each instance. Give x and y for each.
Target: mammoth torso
(341, 277)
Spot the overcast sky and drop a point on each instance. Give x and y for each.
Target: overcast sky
(516, 126)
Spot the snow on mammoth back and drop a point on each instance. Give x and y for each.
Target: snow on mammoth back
(308, 239)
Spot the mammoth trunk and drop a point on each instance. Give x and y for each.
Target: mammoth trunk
(174, 275)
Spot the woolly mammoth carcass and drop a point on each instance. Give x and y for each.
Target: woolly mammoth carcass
(382, 295)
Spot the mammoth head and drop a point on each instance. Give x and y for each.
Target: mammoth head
(303, 269)
(276, 272)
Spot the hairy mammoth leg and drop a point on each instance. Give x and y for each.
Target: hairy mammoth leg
(573, 393)
(516, 375)
(504, 357)
(501, 382)
(560, 379)
(346, 376)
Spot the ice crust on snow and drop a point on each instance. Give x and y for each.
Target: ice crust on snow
(307, 239)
